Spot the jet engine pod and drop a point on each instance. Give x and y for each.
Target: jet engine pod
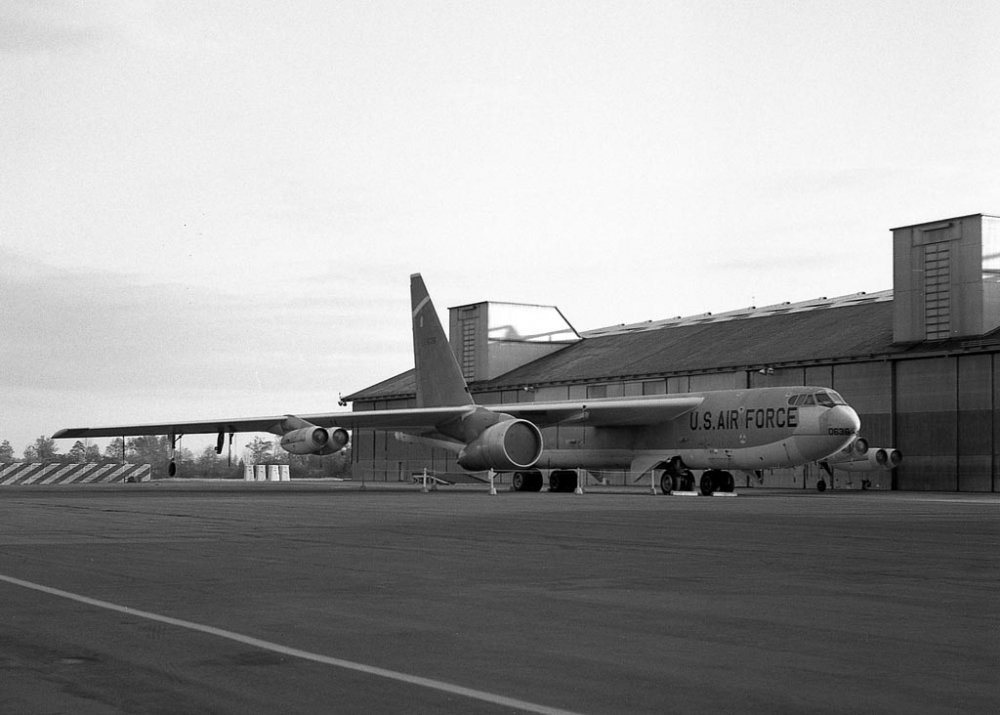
(507, 445)
(886, 458)
(307, 440)
(860, 446)
(338, 438)
(875, 459)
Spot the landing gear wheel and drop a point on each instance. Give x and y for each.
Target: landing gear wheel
(675, 477)
(707, 484)
(821, 485)
(666, 483)
(728, 483)
(562, 480)
(526, 481)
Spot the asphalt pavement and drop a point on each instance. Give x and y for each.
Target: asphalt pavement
(311, 598)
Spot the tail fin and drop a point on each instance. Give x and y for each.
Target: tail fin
(439, 378)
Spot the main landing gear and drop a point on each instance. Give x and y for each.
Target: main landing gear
(560, 480)
(682, 482)
(527, 481)
(678, 478)
(716, 480)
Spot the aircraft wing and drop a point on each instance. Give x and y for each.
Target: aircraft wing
(604, 412)
(419, 419)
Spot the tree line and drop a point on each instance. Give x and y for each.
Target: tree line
(155, 451)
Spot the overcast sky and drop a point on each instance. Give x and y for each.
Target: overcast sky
(212, 209)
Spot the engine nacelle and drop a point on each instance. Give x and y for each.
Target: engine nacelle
(886, 458)
(339, 438)
(507, 445)
(315, 440)
(855, 451)
(875, 459)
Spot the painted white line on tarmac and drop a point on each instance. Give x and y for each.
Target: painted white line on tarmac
(449, 688)
(985, 501)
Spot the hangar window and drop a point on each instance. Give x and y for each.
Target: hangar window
(597, 391)
(515, 322)
(937, 291)
(469, 335)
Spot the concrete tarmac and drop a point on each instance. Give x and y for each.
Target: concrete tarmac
(306, 598)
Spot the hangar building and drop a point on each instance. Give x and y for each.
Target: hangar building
(920, 363)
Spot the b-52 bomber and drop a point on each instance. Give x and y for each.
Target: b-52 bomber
(717, 432)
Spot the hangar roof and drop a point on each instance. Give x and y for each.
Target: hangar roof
(819, 333)
(854, 327)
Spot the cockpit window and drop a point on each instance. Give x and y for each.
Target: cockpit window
(837, 399)
(827, 398)
(823, 398)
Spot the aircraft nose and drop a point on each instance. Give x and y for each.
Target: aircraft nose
(842, 420)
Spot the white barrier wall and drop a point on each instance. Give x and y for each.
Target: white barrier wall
(39, 473)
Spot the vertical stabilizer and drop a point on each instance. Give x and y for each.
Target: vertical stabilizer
(439, 378)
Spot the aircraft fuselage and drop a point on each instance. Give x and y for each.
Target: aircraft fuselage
(731, 429)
